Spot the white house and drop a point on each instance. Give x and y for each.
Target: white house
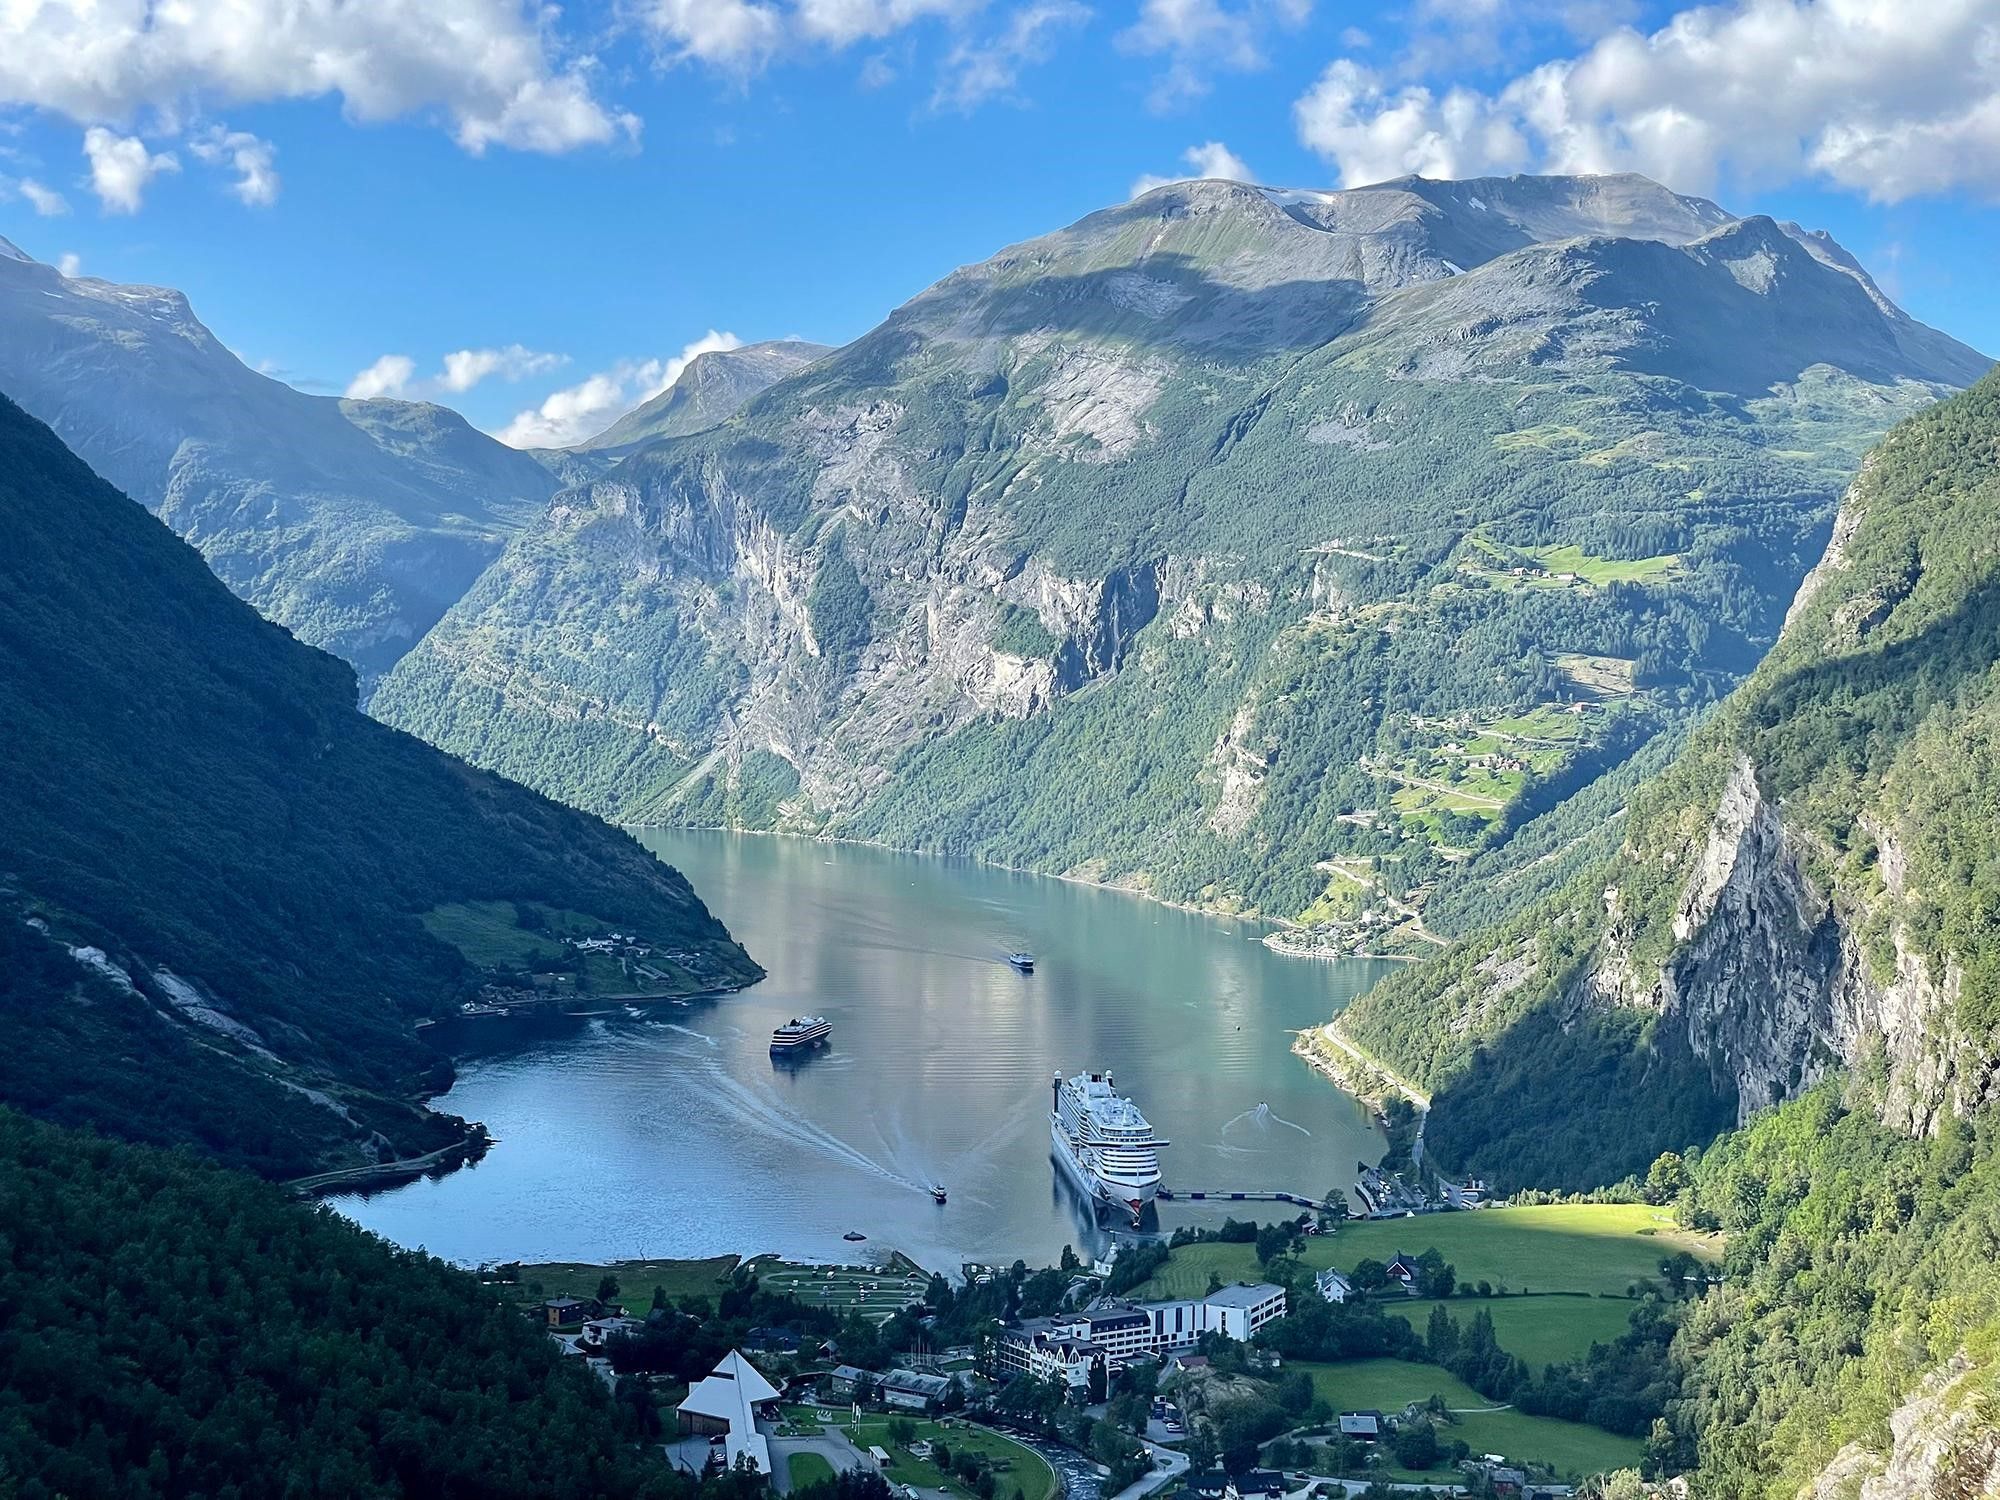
(1333, 1286)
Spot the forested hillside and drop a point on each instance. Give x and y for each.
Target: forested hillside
(214, 870)
(1813, 885)
(1856, 1334)
(1261, 549)
(172, 1329)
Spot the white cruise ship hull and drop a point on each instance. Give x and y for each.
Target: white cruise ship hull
(1126, 1197)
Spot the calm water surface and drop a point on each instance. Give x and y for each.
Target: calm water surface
(679, 1136)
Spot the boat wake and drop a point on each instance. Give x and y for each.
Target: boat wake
(754, 1109)
(700, 1036)
(1263, 1118)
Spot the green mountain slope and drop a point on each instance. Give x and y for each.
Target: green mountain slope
(1813, 885)
(215, 869)
(1262, 549)
(354, 523)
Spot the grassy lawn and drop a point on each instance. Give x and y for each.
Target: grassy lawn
(485, 933)
(1014, 1466)
(1603, 570)
(1572, 1449)
(807, 1468)
(636, 1279)
(1541, 1330)
(1567, 1247)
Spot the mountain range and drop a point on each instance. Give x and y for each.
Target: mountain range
(1273, 551)
(355, 524)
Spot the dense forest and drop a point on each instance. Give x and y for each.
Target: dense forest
(236, 852)
(173, 1329)
(1860, 1261)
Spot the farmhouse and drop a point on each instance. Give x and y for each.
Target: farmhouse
(1333, 1286)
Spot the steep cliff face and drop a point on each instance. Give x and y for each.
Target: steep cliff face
(1301, 472)
(1815, 883)
(1946, 1445)
(1772, 984)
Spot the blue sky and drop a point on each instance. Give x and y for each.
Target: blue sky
(569, 199)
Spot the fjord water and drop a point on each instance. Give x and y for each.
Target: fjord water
(679, 1135)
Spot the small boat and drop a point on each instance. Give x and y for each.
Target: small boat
(937, 1192)
(854, 1234)
(1025, 962)
(801, 1033)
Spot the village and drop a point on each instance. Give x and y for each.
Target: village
(1104, 1397)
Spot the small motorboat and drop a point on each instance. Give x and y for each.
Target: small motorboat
(855, 1235)
(1025, 962)
(937, 1192)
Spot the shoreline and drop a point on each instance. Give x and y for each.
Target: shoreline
(1364, 1076)
(1277, 924)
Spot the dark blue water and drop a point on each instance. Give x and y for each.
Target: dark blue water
(679, 1135)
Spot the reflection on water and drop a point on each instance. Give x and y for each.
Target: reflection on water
(679, 1135)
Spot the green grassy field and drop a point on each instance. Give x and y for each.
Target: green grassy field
(1603, 570)
(1580, 1247)
(484, 931)
(1541, 1330)
(807, 1468)
(636, 1279)
(1572, 1449)
(1015, 1466)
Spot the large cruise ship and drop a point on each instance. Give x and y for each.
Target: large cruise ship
(1103, 1142)
(801, 1034)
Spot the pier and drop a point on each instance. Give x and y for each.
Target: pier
(1303, 1200)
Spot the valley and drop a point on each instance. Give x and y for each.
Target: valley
(1564, 609)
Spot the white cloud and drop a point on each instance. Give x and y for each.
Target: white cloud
(744, 35)
(121, 166)
(727, 33)
(1883, 98)
(46, 200)
(70, 263)
(582, 410)
(1209, 159)
(841, 23)
(246, 155)
(1373, 133)
(465, 368)
(388, 376)
(990, 67)
(1200, 37)
(495, 69)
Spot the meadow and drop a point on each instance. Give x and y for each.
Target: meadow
(1594, 1248)
(1571, 1449)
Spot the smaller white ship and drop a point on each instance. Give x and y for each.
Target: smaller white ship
(801, 1034)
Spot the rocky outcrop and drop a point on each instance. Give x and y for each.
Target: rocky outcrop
(1946, 1445)
(1770, 981)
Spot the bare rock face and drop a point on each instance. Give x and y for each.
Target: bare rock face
(1946, 1446)
(1771, 984)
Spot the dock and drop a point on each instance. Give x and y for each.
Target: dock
(1303, 1200)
